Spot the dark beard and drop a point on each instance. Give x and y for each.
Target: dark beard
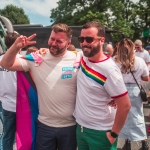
(59, 50)
(93, 51)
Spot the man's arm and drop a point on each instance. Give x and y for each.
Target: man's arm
(146, 78)
(123, 107)
(9, 60)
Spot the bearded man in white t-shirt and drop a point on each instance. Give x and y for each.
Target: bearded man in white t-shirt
(99, 81)
(55, 80)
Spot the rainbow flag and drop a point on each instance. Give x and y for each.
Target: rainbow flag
(27, 108)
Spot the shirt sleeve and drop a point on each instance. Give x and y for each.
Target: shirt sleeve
(115, 85)
(25, 64)
(145, 69)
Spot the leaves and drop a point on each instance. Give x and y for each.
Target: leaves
(15, 14)
(128, 17)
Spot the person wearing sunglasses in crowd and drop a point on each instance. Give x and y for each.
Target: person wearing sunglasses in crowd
(99, 81)
(55, 79)
(141, 52)
(134, 128)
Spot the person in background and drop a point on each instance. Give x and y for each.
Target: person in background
(141, 52)
(55, 80)
(134, 128)
(72, 48)
(148, 49)
(109, 48)
(115, 49)
(31, 49)
(99, 81)
(1, 123)
(8, 87)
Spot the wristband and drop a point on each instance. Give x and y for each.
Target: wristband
(113, 134)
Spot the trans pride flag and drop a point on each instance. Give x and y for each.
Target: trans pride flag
(27, 107)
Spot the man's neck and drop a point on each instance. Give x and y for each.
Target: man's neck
(98, 57)
(61, 54)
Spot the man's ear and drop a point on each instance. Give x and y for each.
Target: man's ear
(69, 42)
(102, 39)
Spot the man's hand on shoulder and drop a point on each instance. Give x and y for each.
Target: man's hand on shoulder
(42, 51)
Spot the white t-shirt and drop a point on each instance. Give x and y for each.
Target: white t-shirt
(8, 85)
(97, 84)
(55, 79)
(140, 70)
(144, 55)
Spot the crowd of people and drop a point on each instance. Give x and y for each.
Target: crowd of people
(86, 99)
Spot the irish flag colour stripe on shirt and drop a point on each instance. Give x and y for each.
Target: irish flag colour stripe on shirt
(94, 75)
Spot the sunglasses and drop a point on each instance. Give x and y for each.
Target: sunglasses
(88, 39)
(137, 47)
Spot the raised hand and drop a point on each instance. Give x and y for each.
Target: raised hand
(23, 41)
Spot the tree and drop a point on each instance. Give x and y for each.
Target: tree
(141, 19)
(120, 18)
(127, 17)
(113, 14)
(77, 12)
(15, 14)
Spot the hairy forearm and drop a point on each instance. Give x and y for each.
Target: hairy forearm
(9, 57)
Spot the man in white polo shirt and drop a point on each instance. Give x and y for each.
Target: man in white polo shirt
(141, 52)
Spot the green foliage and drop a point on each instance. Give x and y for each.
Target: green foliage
(141, 18)
(125, 16)
(15, 14)
(77, 12)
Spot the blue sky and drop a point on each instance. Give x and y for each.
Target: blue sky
(38, 11)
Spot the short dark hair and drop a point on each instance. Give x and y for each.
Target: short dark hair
(98, 25)
(60, 27)
(10, 38)
(147, 47)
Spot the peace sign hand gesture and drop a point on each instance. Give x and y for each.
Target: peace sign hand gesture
(23, 41)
